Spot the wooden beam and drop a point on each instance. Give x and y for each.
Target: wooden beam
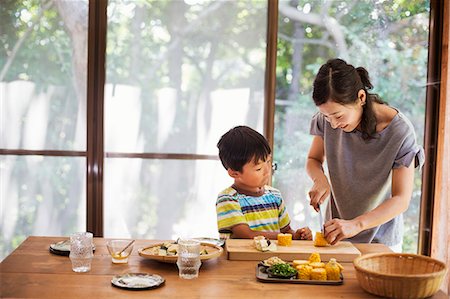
(95, 91)
(440, 243)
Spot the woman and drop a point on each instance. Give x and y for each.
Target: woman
(370, 150)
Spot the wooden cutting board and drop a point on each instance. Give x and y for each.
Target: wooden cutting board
(244, 250)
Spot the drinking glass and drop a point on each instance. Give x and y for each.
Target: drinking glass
(81, 252)
(188, 261)
(120, 250)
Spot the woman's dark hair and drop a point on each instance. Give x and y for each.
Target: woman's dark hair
(241, 144)
(340, 82)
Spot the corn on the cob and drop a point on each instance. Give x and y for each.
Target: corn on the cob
(320, 241)
(314, 257)
(299, 262)
(284, 239)
(317, 265)
(304, 272)
(333, 270)
(318, 274)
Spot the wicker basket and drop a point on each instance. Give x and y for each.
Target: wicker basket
(399, 275)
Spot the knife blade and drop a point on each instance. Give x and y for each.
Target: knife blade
(320, 220)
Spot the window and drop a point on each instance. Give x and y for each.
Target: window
(179, 74)
(43, 119)
(388, 38)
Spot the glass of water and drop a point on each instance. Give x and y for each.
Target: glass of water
(81, 252)
(188, 261)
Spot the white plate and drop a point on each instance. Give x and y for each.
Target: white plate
(63, 247)
(137, 281)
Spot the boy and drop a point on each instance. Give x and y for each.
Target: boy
(250, 208)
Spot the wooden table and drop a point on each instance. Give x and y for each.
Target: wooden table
(32, 271)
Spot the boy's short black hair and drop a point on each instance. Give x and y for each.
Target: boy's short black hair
(241, 144)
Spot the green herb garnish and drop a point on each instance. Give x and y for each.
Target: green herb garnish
(282, 270)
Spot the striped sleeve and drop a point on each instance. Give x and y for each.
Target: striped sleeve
(283, 215)
(229, 212)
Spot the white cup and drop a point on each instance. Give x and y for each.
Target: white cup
(188, 261)
(81, 252)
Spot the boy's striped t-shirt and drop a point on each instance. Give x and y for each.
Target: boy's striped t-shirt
(263, 213)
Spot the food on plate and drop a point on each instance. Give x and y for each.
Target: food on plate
(314, 257)
(263, 244)
(333, 269)
(318, 274)
(304, 272)
(282, 271)
(169, 249)
(320, 241)
(284, 239)
(296, 263)
(312, 269)
(272, 261)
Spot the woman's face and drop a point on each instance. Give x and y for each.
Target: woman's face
(344, 117)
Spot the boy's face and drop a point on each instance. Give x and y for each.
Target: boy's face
(253, 175)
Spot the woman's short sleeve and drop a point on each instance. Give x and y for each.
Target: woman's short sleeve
(317, 124)
(409, 150)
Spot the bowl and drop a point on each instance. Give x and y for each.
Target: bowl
(120, 250)
(399, 275)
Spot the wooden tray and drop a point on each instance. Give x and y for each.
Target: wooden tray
(213, 252)
(244, 250)
(262, 276)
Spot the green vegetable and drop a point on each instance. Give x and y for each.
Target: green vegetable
(282, 270)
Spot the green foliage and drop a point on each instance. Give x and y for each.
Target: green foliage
(47, 43)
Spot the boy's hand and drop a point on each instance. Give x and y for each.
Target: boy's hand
(303, 233)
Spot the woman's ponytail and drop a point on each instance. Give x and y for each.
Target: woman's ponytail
(364, 75)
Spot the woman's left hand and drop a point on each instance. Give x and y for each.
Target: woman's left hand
(338, 229)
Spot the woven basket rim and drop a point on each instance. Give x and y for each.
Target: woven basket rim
(402, 276)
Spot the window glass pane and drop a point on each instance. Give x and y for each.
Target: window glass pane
(43, 75)
(43, 196)
(181, 73)
(43, 68)
(388, 38)
(162, 199)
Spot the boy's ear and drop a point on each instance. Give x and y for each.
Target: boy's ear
(233, 173)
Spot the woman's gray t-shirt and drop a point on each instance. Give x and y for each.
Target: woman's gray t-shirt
(360, 172)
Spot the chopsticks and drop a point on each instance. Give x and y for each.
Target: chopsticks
(129, 244)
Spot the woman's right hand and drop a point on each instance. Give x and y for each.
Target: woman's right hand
(319, 192)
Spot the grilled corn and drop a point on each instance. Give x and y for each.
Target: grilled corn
(317, 265)
(333, 270)
(318, 274)
(304, 272)
(284, 239)
(320, 241)
(314, 257)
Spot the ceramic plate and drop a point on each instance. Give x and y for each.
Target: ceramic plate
(62, 247)
(137, 281)
(151, 252)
